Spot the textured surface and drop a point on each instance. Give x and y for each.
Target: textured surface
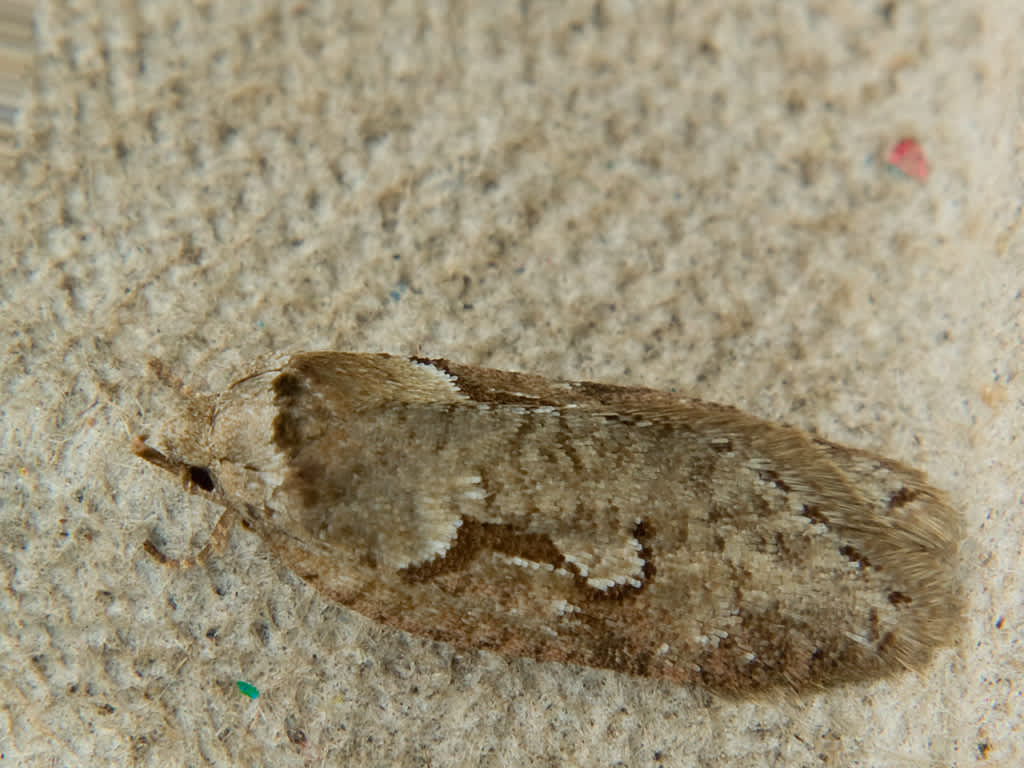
(692, 198)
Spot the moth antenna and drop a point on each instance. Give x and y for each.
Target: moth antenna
(190, 399)
(166, 376)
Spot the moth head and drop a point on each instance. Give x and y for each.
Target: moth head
(184, 446)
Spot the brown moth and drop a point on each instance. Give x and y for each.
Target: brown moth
(613, 527)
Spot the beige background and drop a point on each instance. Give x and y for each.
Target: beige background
(691, 196)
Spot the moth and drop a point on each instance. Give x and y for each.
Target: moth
(613, 527)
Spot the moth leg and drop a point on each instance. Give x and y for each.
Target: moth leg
(218, 538)
(194, 480)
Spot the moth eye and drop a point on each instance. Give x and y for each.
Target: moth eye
(201, 478)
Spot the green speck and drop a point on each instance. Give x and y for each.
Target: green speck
(248, 689)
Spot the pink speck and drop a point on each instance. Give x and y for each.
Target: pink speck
(909, 157)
